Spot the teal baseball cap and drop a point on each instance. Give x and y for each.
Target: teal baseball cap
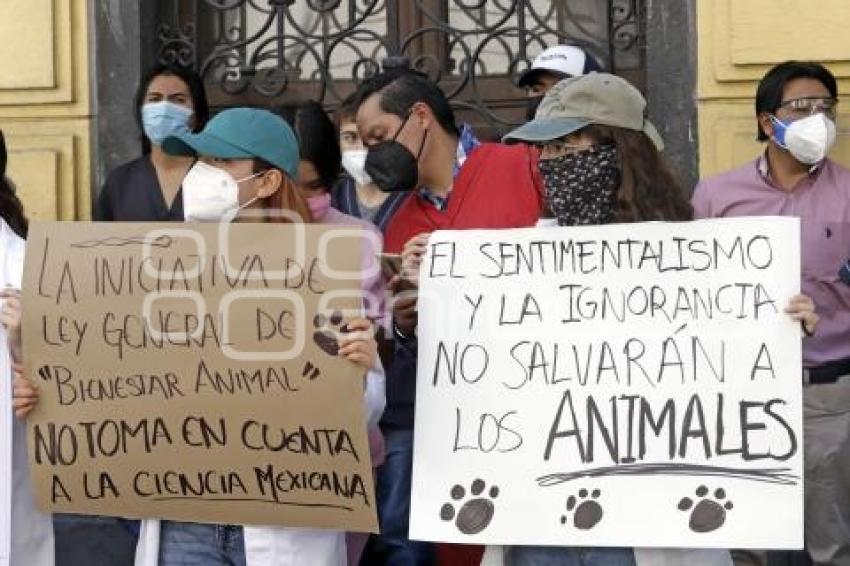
(577, 102)
(242, 133)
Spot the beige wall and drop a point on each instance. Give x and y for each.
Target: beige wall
(738, 41)
(44, 104)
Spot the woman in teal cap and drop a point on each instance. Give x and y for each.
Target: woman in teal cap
(248, 162)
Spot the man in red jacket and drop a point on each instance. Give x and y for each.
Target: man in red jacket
(415, 145)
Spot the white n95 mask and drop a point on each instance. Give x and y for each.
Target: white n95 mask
(211, 194)
(354, 163)
(807, 139)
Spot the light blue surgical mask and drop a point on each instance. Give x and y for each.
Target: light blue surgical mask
(163, 119)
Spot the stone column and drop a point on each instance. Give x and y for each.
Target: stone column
(671, 74)
(122, 49)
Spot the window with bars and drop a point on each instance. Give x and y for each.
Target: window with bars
(263, 52)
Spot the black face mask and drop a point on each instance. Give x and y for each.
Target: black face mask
(531, 104)
(392, 166)
(581, 188)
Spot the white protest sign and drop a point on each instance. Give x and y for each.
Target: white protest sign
(620, 385)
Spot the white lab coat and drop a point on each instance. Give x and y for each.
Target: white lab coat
(31, 542)
(284, 546)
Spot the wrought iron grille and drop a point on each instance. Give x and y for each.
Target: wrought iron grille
(262, 52)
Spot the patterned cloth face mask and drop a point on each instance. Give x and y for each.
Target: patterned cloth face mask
(581, 187)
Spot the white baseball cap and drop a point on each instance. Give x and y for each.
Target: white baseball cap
(562, 60)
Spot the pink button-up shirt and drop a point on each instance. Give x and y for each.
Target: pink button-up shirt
(822, 202)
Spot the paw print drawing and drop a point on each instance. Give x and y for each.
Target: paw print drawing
(310, 371)
(475, 514)
(708, 514)
(588, 512)
(326, 332)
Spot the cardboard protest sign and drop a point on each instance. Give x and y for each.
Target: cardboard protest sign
(621, 385)
(190, 372)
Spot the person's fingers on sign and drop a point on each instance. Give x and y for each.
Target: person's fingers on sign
(357, 343)
(415, 248)
(802, 308)
(10, 317)
(410, 273)
(416, 245)
(25, 394)
(411, 257)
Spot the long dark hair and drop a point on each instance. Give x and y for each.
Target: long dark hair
(11, 208)
(196, 90)
(649, 190)
(318, 140)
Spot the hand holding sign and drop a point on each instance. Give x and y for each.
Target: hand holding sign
(358, 344)
(10, 318)
(25, 394)
(801, 308)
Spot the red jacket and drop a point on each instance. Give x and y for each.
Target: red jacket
(498, 186)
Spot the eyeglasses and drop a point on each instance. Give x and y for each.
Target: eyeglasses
(809, 105)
